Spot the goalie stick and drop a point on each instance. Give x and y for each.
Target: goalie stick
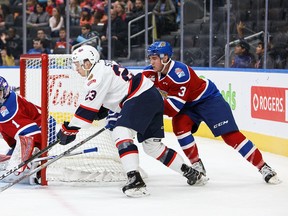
(44, 165)
(90, 150)
(24, 163)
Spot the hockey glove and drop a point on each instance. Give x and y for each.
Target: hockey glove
(67, 134)
(111, 120)
(103, 113)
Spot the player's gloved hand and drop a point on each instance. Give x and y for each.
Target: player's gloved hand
(111, 120)
(67, 134)
(103, 113)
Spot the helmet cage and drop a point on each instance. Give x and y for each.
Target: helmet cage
(4, 90)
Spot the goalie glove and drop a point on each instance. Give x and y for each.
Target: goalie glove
(67, 134)
(111, 120)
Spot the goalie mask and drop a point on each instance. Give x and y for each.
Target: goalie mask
(84, 53)
(160, 48)
(4, 90)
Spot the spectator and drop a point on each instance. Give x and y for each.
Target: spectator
(6, 18)
(165, 14)
(138, 25)
(118, 37)
(259, 62)
(38, 47)
(129, 6)
(44, 37)
(61, 42)
(86, 16)
(178, 11)
(243, 58)
(30, 6)
(100, 17)
(87, 3)
(56, 22)
(38, 18)
(87, 33)
(75, 12)
(119, 7)
(12, 42)
(7, 58)
(260, 55)
(50, 5)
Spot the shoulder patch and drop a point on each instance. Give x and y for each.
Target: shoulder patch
(179, 73)
(4, 111)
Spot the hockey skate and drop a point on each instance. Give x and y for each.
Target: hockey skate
(193, 176)
(199, 167)
(269, 175)
(135, 186)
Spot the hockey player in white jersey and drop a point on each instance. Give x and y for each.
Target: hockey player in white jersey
(140, 106)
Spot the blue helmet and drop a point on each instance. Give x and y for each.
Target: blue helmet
(4, 87)
(160, 48)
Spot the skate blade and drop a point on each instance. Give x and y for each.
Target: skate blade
(202, 181)
(274, 180)
(137, 192)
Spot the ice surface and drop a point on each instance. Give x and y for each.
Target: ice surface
(236, 188)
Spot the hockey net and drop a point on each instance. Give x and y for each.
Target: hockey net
(49, 82)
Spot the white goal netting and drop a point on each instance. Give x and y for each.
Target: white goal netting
(64, 91)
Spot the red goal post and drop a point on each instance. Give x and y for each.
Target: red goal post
(49, 82)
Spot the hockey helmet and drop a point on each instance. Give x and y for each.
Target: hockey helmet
(160, 48)
(4, 90)
(86, 52)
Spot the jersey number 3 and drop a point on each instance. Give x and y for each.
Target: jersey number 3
(182, 91)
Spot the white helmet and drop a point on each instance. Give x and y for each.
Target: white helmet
(85, 52)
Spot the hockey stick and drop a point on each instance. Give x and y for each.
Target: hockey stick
(42, 166)
(90, 150)
(38, 154)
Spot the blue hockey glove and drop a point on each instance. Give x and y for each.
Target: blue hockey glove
(67, 134)
(111, 120)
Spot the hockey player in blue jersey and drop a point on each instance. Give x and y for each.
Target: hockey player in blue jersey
(140, 107)
(190, 100)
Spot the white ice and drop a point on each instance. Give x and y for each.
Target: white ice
(236, 188)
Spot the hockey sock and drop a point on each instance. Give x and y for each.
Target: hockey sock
(189, 146)
(182, 127)
(129, 156)
(245, 147)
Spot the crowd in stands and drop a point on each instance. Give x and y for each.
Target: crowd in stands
(88, 18)
(46, 31)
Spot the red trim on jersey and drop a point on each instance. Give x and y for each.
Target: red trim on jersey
(131, 94)
(83, 119)
(4, 157)
(127, 153)
(89, 108)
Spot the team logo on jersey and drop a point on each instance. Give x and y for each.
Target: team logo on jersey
(4, 111)
(179, 72)
(91, 81)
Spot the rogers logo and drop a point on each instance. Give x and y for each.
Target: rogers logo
(269, 103)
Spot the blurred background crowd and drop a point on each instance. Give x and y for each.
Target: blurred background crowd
(203, 33)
